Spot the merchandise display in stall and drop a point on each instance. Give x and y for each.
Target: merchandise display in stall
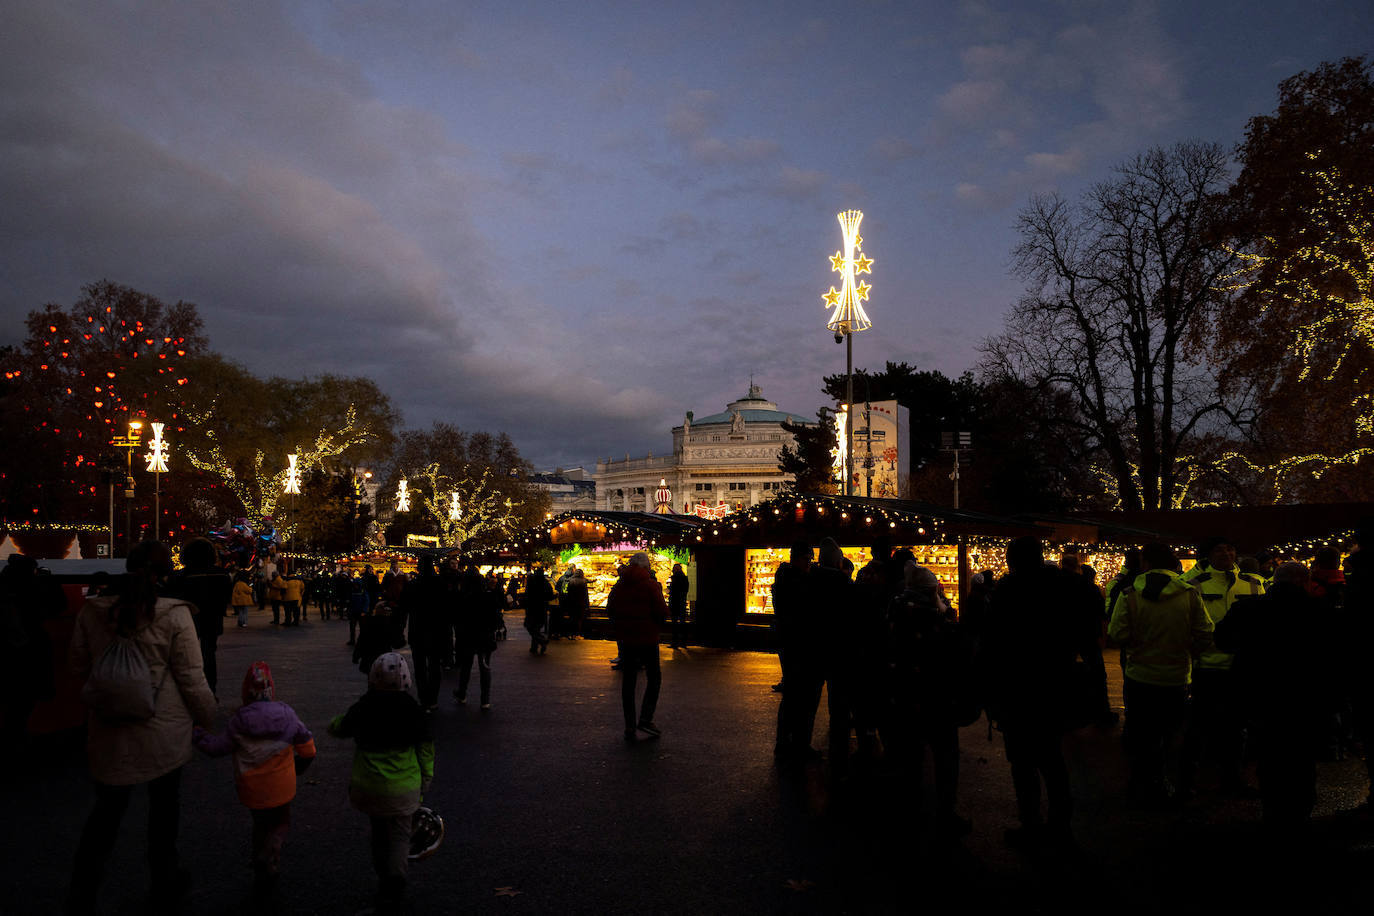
(761, 565)
(600, 569)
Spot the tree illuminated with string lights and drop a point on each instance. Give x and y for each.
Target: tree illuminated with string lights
(74, 383)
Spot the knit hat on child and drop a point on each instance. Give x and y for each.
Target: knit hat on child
(257, 683)
(389, 672)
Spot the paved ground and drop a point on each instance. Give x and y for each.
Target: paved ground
(549, 811)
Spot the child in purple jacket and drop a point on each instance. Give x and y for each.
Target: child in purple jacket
(270, 745)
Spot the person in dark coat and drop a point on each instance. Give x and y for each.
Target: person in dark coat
(425, 610)
(1281, 676)
(678, 585)
(477, 617)
(825, 652)
(26, 600)
(928, 660)
(637, 611)
(538, 594)
(1354, 634)
(1030, 642)
(207, 588)
(789, 597)
(579, 602)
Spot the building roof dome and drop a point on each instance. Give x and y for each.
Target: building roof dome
(753, 408)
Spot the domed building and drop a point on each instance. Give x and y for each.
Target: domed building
(723, 462)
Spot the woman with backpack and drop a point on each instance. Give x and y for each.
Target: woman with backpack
(145, 688)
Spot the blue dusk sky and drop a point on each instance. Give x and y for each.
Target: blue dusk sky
(575, 221)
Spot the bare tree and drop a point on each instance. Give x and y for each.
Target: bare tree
(1119, 289)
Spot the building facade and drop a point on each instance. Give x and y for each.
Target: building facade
(570, 489)
(720, 463)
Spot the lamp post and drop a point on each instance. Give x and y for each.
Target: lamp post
(849, 317)
(157, 463)
(129, 443)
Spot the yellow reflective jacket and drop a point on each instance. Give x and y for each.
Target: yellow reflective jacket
(1221, 588)
(1161, 623)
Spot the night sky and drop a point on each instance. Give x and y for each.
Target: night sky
(575, 221)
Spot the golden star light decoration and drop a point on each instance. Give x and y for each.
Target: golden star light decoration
(848, 315)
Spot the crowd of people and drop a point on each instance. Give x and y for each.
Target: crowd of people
(1230, 659)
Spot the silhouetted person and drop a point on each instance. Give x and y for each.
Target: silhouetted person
(928, 660)
(637, 610)
(1086, 599)
(1281, 675)
(1030, 643)
(425, 610)
(827, 648)
(677, 605)
(207, 588)
(538, 594)
(477, 618)
(579, 602)
(26, 600)
(1354, 635)
(875, 585)
(1215, 727)
(789, 601)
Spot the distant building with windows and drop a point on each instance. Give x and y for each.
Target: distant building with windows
(570, 489)
(720, 463)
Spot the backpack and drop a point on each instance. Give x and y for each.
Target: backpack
(120, 686)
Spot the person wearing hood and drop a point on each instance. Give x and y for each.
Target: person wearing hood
(1215, 728)
(271, 745)
(927, 661)
(393, 766)
(579, 602)
(1162, 627)
(637, 611)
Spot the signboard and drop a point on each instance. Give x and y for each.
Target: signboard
(881, 439)
(102, 550)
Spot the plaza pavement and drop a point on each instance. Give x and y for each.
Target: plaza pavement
(550, 811)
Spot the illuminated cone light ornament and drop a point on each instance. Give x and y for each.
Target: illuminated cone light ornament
(157, 458)
(847, 319)
(849, 315)
(455, 508)
(293, 477)
(402, 496)
(663, 497)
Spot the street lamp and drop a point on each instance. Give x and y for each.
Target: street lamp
(157, 463)
(129, 443)
(849, 316)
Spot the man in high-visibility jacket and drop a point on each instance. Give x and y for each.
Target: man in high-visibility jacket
(1162, 627)
(1216, 728)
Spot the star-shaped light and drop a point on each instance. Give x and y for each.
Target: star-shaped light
(837, 262)
(862, 291)
(832, 298)
(862, 264)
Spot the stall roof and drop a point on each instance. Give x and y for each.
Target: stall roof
(1285, 529)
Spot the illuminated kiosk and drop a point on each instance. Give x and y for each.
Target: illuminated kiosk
(730, 561)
